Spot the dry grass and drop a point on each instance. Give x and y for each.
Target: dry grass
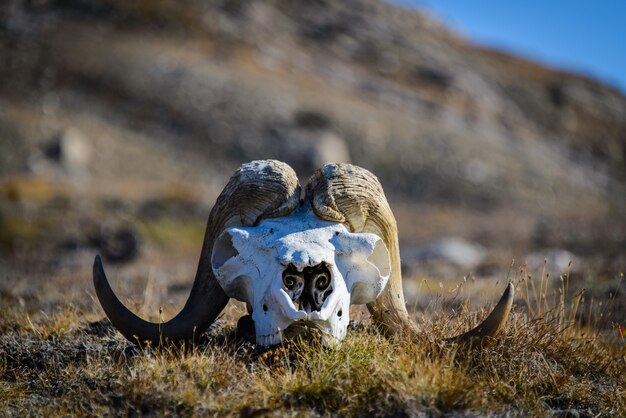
(545, 362)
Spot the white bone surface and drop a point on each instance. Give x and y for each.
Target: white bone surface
(249, 262)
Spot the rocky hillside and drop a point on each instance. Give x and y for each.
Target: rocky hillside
(112, 112)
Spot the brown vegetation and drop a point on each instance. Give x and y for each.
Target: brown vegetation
(545, 361)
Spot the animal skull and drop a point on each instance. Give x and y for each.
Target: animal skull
(300, 268)
(293, 261)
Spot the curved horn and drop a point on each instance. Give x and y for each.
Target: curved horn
(493, 323)
(352, 195)
(258, 190)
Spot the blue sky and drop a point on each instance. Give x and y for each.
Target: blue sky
(588, 37)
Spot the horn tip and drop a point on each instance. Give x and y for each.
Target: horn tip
(509, 292)
(99, 277)
(97, 262)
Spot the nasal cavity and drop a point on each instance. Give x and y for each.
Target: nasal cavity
(309, 287)
(317, 287)
(293, 282)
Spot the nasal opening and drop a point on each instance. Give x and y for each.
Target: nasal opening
(310, 287)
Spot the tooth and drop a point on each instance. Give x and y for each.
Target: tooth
(298, 316)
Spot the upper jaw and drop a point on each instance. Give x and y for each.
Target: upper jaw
(269, 339)
(328, 308)
(307, 320)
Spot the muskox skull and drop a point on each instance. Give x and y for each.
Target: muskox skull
(293, 261)
(300, 268)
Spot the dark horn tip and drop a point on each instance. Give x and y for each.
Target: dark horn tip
(507, 296)
(97, 262)
(98, 272)
(508, 292)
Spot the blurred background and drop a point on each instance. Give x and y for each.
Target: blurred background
(120, 123)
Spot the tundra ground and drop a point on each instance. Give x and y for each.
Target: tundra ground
(549, 361)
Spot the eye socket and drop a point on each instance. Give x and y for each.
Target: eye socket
(265, 307)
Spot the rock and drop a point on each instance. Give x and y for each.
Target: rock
(454, 250)
(311, 120)
(68, 153)
(571, 413)
(118, 246)
(99, 328)
(329, 147)
(310, 141)
(70, 148)
(557, 261)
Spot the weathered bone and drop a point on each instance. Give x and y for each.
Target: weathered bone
(303, 267)
(252, 263)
